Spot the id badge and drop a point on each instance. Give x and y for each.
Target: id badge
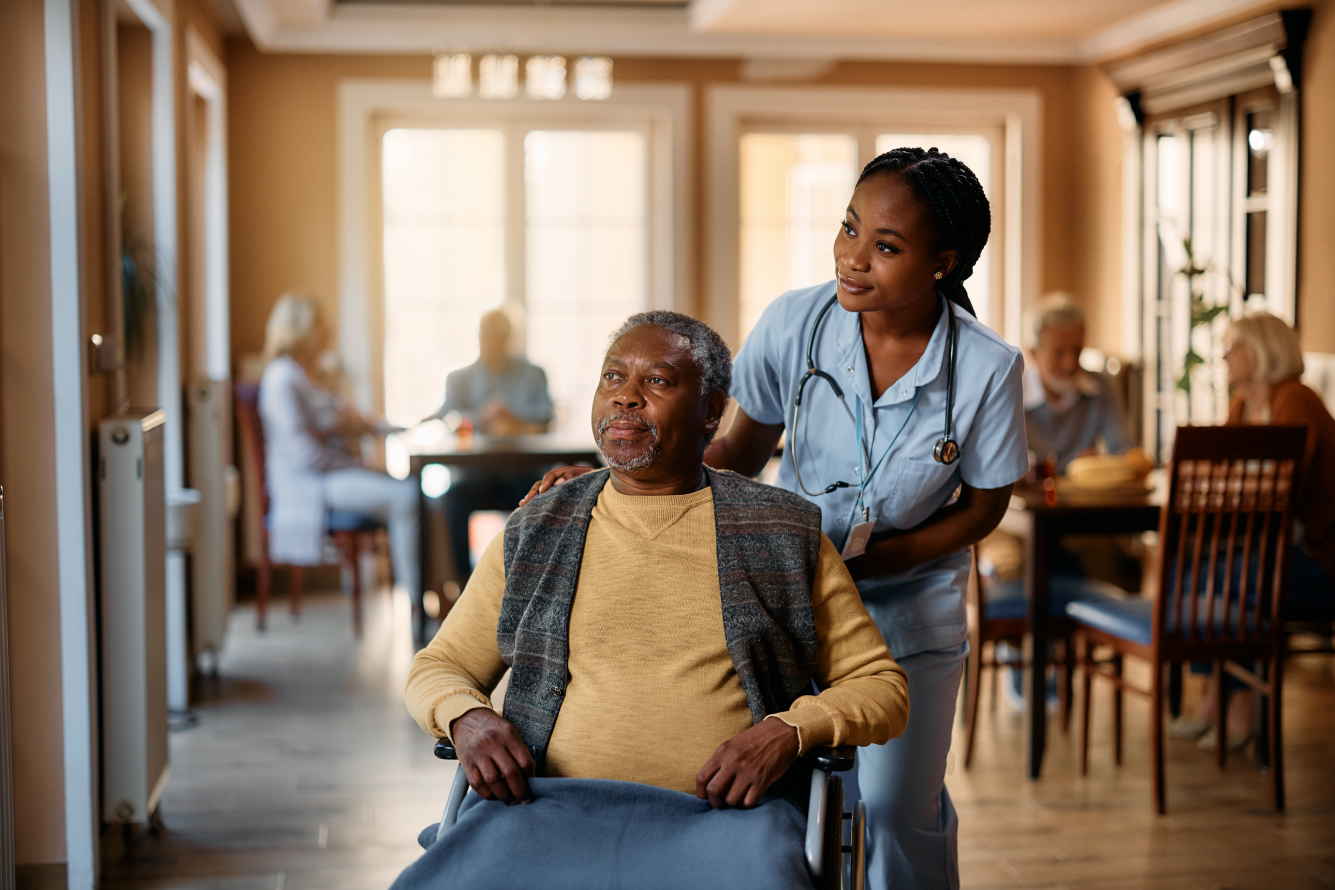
(856, 545)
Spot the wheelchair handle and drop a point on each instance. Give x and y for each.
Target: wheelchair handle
(834, 759)
(445, 751)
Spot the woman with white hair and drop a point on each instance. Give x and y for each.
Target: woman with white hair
(1265, 363)
(307, 471)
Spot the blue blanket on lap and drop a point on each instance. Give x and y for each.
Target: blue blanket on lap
(596, 834)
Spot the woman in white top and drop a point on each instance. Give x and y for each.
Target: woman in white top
(307, 472)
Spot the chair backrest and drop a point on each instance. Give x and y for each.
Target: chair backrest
(1224, 533)
(251, 431)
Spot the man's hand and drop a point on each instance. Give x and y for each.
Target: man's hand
(553, 477)
(492, 756)
(743, 767)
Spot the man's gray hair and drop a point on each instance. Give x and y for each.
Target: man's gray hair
(711, 354)
(1056, 310)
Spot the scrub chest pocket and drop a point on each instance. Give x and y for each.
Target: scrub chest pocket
(915, 494)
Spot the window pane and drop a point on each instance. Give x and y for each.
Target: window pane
(444, 199)
(587, 238)
(1256, 258)
(976, 153)
(794, 188)
(1260, 139)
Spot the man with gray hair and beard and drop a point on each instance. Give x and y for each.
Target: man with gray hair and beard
(674, 617)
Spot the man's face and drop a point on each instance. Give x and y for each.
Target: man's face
(494, 337)
(1057, 355)
(649, 417)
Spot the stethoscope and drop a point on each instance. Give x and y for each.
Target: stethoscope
(946, 450)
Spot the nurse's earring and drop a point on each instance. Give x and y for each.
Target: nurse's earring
(939, 275)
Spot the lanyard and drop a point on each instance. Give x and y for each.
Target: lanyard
(866, 449)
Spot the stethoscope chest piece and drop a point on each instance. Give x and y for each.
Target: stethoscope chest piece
(946, 451)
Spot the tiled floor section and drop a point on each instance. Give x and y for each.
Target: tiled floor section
(305, 772)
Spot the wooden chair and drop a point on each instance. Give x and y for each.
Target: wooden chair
(350, 532)
(1000, 614)
(1228, 506)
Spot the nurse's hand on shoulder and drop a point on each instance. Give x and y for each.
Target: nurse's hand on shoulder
(551, 478)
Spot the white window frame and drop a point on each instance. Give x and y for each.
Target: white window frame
(1016, 114)
(367, 108)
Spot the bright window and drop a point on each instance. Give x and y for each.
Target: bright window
(565, 240)
(586, 233)
(794, 188)
(444, 242)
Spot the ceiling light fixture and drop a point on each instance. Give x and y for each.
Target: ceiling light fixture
(452, 75)
(498, 77)
(593, 77)
(545, 77)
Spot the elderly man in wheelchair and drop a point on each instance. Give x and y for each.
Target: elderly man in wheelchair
(679, 621)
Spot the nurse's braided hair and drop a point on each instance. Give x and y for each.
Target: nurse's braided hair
(956, 202)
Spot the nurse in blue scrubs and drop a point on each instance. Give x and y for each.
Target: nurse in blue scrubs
(925, 488)
(910, 462)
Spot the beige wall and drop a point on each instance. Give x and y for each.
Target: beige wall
(283, 145)
(1098, 217)
(27, 464)
(27, 468)
(1316, 207)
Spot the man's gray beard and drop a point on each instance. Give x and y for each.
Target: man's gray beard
(641, 461)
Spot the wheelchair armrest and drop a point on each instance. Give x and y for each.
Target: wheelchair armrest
(445, 750)
(833, 759)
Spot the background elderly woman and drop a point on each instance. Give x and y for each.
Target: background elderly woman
(308, 467)
(1264, 365)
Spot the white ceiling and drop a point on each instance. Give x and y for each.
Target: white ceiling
(1020, 31)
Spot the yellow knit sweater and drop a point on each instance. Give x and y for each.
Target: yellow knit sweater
(652, 688)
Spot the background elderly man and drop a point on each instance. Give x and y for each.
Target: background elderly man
(1067, 411)
(500, 395)
(675, 618)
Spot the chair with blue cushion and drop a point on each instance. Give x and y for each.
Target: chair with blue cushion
(1221, 569)
(1000, 614)
(350, 532)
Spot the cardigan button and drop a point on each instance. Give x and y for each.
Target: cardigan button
(557, 691)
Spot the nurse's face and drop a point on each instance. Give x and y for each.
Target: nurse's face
(885, 255)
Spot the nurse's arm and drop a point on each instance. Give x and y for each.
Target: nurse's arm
(971, 518)
(746, 447)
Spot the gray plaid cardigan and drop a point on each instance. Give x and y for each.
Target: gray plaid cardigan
(768, 550)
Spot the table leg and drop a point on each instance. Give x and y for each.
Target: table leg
(1036, 573)
(423, 544)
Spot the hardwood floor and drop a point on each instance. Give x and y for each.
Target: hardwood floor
(1101, 832)
(305, 771)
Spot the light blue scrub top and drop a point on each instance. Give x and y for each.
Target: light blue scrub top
(921, 609)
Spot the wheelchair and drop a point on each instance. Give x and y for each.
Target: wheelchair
(824, 847)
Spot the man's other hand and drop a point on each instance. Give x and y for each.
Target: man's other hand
(553, 477)
(492, 756)
(743, 767)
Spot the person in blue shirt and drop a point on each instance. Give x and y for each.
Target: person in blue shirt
(902, 496)
(1068, 411)
(500, 395)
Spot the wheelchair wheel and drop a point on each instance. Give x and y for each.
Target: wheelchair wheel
(832, 866)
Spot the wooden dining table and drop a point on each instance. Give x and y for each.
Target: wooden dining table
(1040, 516)
(488, 454)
